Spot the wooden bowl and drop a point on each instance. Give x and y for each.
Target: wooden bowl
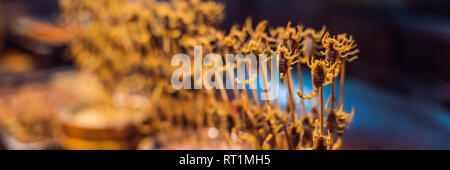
(98, 135)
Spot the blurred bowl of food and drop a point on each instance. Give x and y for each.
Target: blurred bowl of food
(99, 127)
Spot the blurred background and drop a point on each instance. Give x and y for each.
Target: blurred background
(400, 85)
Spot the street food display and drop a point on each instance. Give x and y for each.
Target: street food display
(125, 48)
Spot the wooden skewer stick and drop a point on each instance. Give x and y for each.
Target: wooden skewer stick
(342, 84)
(333, 95)
(266, 86)
(291, 99)
(254, 92)
(321, 111)
(223, 92)
(300, 81)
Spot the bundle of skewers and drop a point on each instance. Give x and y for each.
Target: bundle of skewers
(129, 46)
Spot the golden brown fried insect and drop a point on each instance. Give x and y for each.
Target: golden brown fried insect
(295, 133)
(337, 121)
(339, 49)
(307, 131)
(310, 43)
(343, 120)
(322, 142)
(285, 61)
(321, 76)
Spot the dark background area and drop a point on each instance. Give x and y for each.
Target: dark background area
(400, 85)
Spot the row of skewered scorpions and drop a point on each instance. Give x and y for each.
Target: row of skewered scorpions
(266, 126)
